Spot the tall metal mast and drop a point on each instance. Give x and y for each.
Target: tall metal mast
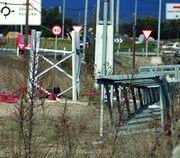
(159, 28)
(85, 25)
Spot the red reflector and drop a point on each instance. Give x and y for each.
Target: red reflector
(176, 7)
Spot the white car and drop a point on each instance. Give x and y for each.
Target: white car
(174, 46)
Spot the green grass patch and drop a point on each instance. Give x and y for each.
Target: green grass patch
(46, 43)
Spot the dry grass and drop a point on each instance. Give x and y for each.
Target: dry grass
(72, 129)
(74, 133)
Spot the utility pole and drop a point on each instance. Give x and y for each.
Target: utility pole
(26, 25)
(134, 44)
(159, 28)
(135, 13)
(64, 4)
(134, 35)
(117, 17)
(85, 26)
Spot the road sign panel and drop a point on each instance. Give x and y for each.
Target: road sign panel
(56, 30)
(77, 28)
(172, 11)
(147, 33)
(14, 12)
(118, 40)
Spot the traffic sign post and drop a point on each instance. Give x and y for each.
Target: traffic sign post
(147, 34)
(56, 30)
(118, 40)
(146, 48)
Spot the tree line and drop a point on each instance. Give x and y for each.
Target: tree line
(169, 29)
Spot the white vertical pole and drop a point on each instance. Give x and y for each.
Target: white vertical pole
(159, 28)
(112, 95)
(38, 35)
(31, 79)
(21, 29)
(97, 12)
(17, 51)
(78, 63)
(74, 66)
(33, 61)
(101, 114)
(146, 48)
(55, 47)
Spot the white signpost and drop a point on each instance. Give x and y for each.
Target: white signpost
(147, 34)
(172, 11)
(56, 30)
(13, 12)
(77, 28)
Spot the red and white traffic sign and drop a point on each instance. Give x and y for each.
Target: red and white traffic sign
(172, 11)
(147, 33)
(56, 30)
(77, 28)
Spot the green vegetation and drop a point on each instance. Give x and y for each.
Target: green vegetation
(46, 43)
(126, 45)
(49, 43)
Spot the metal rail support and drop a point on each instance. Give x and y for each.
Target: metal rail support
(76, 63)
(126, 100)
(134, 99)
(140, 98)
(33, 62)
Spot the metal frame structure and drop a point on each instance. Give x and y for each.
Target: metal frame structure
(76, 64)
(145, 89)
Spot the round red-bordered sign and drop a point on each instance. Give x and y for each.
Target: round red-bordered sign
(56, 30)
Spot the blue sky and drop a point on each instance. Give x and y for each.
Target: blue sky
(74, 8)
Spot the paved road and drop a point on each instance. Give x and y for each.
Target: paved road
(7, 52)
(12, 52)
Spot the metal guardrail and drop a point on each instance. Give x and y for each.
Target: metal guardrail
(139, 52)
(172, 72)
